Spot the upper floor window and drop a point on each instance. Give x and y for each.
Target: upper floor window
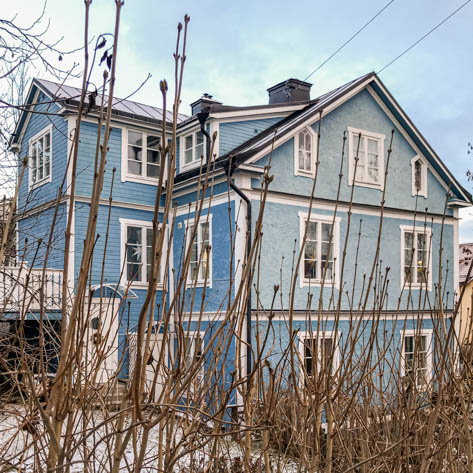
(320, 249)
(416, 357)
(416, 257)
(40, 157)
(419, 176)
(143, 155)
(366, 158)
(200, 267)
(305, 149)
(193, 147)
(137, 240)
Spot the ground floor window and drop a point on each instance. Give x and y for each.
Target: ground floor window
(319, 354)
(416, 357)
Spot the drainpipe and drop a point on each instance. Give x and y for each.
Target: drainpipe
(248, 249)
(202, 116)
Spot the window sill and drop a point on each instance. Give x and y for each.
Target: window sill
(142, 180)
(416, 287)
(142, 285)
(189, 166)
(317, 282)
(40, 183)
(370, 185)
(301, 173)
(191, 283)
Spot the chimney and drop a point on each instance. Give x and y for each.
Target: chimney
(291, 90)
(204, 103)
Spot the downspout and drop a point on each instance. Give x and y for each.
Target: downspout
(202, 116)
(230, 170)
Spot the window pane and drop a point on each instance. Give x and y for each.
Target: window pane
(310, 269)
(372, 146)
(152, 168)
(326, 231)
(189, 142)
(312, 230)
(408, 240)
(152, 142)
(409, 345)
(149, 242)
(135, 138)
(133, 235)
(301, 159)
(199, 151)
(418, 175)
(200, 137)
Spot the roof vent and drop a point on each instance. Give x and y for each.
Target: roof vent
(204, 103)
(291, 90)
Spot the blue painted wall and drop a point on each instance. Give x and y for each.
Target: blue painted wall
(233, 134)
(277, 257)
(364, 113)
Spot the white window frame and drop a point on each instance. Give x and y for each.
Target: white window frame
(428, 233)
(128, 176)
(352, 132)
(144, 225)
(207, 218)
(182, 150)
(319, 335)
(313, 158)
(32, 140)
(418, 333)
(192, 335)
(319, 218)
(423, 190)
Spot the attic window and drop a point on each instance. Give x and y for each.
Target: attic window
(366, 158)
(419, 176)
(304, 152)
(193, 148)
(40, 157)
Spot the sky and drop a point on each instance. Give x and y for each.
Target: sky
(236, 50)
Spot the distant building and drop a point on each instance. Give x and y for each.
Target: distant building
(464, 262)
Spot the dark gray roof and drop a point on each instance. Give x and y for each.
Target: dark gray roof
(127, 108)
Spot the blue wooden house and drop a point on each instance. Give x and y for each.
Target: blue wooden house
(342, 136)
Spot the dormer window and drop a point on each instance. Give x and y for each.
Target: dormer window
(40, 157)
(304, 152)
(193, 148)
(419, 176)
(143, 155)
(366, 158)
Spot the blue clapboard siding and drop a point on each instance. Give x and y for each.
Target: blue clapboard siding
(27, 198)
(233, 134)
(34, 238)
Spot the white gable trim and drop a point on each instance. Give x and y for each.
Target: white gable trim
(419, 136)
(406, 136)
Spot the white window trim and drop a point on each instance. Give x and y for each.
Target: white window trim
(320, 334)
(351, 158)
(423, 191)
(413, 333)
(192, 334)
(195, 163)
(303, 217)
(428, 232)
(126, 176)
(45, 180)
(124, 223)
(302, 172)
(203, 219)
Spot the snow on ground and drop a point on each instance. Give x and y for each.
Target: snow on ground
(23, 446)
